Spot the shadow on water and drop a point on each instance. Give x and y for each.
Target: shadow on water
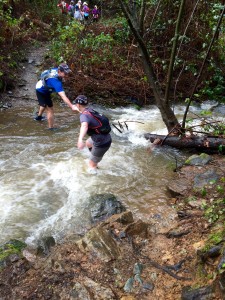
(44, 183)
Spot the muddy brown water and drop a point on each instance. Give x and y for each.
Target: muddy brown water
(44, 184)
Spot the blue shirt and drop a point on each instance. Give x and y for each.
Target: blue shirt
(54, 86)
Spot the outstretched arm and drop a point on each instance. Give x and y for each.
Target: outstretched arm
(67, 101)
(83, 131)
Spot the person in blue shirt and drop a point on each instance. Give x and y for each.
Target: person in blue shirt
(52, 84)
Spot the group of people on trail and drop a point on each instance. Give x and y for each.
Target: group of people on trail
(99, 142)
(80, 11)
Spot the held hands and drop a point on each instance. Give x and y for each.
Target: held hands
(74, 108)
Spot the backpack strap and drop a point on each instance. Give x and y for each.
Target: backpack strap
(95, 128)
(51, 74)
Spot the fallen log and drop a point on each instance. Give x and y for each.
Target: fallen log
(203, 143)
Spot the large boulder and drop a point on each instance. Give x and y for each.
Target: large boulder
(178, 187)
(100, 242)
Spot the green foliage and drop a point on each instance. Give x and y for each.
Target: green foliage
(215, 210)
(103, 46)
(12, 247)
(85, 46)
(214, 87)
(191, 68)
(47, 11)
(205, 113)
(100, 47)
(214, 201)
(98, 42)
(190, 198)
(214, 239)
(216, 129)
(220, 189)
(203, 192)
(122, 31)
(67, 38)
(221, 149)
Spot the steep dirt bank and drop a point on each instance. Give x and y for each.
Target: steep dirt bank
(29, 69)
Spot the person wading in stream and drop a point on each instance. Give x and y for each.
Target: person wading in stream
(97, 127)
(51, 82)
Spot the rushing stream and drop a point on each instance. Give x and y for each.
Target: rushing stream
(44, 186)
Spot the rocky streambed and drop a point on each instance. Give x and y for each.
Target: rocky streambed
(121, 257)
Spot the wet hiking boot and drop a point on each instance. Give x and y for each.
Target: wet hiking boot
(53, 128)
(39, 118)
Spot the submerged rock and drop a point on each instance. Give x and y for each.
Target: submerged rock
(44, 245)
(103, 206)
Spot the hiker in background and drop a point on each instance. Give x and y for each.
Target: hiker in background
(98, 143)
(64, 7)
(71, 9)
(51, 82)
(78, 14)
(86, 11)
(95, 13)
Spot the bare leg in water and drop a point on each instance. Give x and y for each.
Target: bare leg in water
(41, 110)
(92, 164)
(50, 116)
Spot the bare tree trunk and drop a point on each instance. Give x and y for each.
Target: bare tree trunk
(142, 16)
(173, 52)
(167, 113)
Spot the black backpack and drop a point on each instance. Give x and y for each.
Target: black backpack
(103, 127)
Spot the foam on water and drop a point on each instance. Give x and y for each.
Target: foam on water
(44, 184)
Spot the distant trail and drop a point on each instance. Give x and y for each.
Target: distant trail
(24, 92)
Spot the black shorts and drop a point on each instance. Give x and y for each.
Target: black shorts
(44, 99)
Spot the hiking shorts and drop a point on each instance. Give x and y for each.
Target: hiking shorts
(44, 99)
(97, 153)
